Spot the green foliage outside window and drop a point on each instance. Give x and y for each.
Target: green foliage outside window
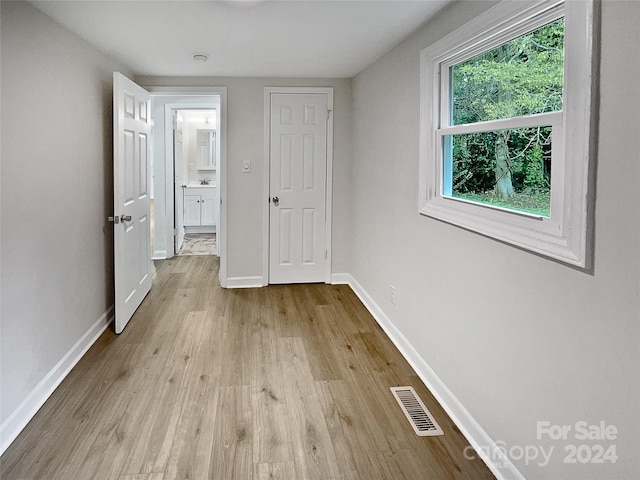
(511, 167)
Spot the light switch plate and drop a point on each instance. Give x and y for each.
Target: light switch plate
(246, 166)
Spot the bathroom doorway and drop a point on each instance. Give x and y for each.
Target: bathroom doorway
(189, 172)
(196, 151)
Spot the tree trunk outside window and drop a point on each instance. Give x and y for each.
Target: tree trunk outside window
(503, 187)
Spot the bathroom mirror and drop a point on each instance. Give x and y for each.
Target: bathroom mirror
(206, 149)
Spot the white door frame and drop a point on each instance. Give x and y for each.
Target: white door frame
(268, 91)
(221, 234)
(169, 152)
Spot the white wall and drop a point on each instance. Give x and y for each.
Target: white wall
(517, 338)
(245, 132)
(57, 184)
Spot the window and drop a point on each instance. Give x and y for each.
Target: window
(506, 127)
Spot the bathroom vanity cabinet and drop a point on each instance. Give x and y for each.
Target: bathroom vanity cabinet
(199, 209)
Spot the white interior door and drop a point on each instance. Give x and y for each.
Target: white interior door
(178, 181)
(217, 192)
(298, 176)
(131, 180)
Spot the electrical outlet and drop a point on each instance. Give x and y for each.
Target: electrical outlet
(392, 294)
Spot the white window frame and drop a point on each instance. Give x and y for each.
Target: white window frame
(566, 234)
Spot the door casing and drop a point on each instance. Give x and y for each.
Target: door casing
(178, 225)
(268, 91)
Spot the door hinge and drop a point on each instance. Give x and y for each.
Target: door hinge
(325, 254)
(328, 114)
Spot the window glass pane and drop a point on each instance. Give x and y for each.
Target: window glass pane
(521, 77)
(504, 168)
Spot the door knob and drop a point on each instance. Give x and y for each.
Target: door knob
(125, 218)
(276, 201)
(114, 219)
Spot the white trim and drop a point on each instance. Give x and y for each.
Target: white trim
(159, 255)
(245, 282)
(329, 197)
(266, 185)
(539, 119)
(499, 464)
(567, 234)
(341, 279)
(185, 91)
(329, 91)
(199, 229)
(21, 416)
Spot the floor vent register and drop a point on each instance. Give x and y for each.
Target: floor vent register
(419, 417)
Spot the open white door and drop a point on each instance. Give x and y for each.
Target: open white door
(178, 181)
(131, 180)
(298, 188)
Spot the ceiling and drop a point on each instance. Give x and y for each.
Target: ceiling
(254, 38)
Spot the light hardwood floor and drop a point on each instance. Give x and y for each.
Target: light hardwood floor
(282, 382)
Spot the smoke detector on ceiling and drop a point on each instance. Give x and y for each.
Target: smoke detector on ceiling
(200, 57)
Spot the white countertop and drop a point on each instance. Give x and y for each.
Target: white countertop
(198, 185)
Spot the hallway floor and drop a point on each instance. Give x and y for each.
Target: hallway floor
(288, 382)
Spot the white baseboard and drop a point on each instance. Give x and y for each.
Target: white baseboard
(200, 229)
(244, 282)
(341, 278)
(19, 418)
(498, 463)
(159, 255)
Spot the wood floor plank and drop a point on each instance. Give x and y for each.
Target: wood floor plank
(288, 310)
(159, 428)
(285, 382)
(274, 471)
(359, 317)
(341, 343)
(271, 440)
(143, 476)
(360, 427)
(190, 452)
(236, 368)
(314, 455)
(231, 452)
(324, 362)
(338, 421)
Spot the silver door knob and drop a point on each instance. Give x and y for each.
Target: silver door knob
(114, 219)
(125, 218)
(276, 201)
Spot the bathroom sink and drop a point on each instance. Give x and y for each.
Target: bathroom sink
(199, 185)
